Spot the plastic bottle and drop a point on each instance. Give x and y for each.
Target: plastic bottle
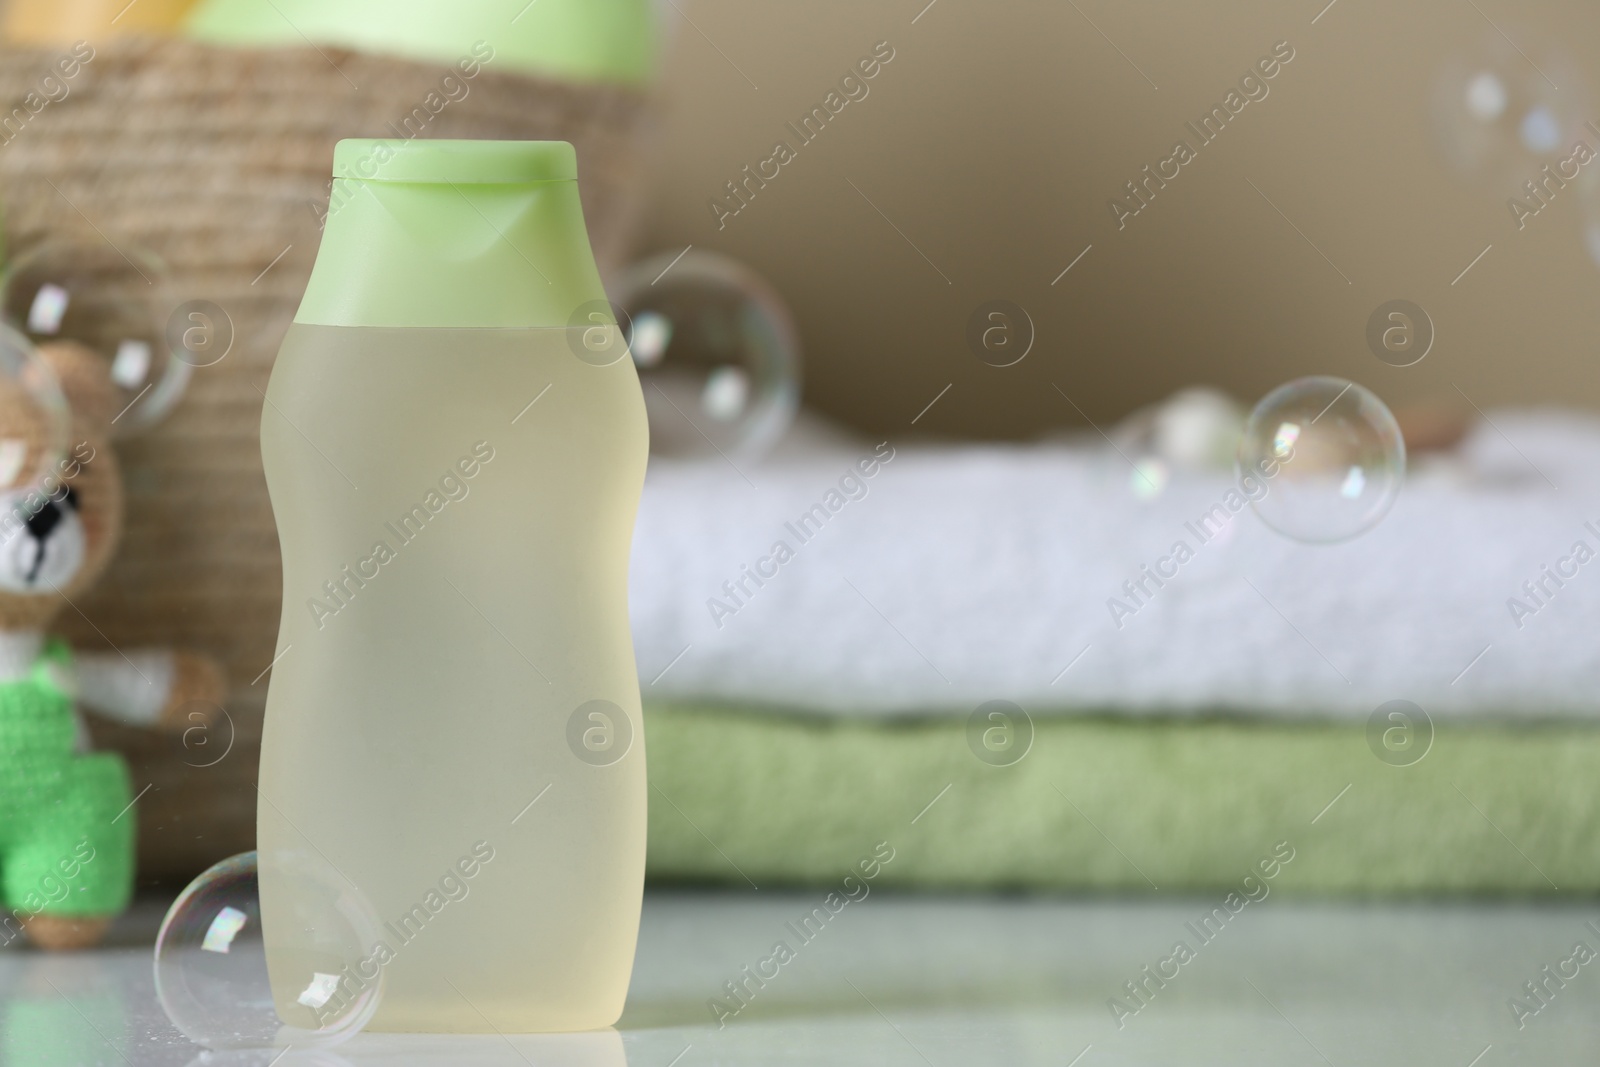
(453, 723)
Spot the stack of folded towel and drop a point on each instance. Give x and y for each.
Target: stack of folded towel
(816, 633)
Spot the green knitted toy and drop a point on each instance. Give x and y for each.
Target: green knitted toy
(67, 815)
(66, 850)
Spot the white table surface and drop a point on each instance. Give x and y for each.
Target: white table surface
(942, 981)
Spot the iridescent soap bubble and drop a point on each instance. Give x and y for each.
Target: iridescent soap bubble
(1322, 460)
(34, 441)
(1589, 199)
(81, 289)
(1505, 111)
(211, 964)
(716, 353)
(1591, 232)
(1194, 430)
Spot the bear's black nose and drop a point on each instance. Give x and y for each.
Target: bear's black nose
(41, 522)
(44, 520)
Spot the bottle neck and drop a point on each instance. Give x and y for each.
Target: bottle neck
(451, 255)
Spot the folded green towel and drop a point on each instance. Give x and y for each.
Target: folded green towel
(1099, 804)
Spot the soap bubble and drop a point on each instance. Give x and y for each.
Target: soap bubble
(1485, 96)
(1591, 232)
(109, 299)
(211, 966)
(34, 442)
(1499, 116)
(1194, 430)
(1589, 199)
(1322, 460)
(716, 354)
(285, 1057)
(1148, 478)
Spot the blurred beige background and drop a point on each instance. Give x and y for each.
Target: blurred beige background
(998, 133)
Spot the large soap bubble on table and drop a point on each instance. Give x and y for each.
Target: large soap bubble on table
(211, 964)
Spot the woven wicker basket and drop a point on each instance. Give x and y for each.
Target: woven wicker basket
(218, 161)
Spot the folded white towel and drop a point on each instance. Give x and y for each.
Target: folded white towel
(953, 576)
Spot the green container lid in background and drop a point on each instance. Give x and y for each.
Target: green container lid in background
(579, 40)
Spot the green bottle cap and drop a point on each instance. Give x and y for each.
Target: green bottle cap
(461, 162)
(453, 234)
(580, 40)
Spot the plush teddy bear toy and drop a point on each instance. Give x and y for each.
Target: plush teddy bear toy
(66, 824)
